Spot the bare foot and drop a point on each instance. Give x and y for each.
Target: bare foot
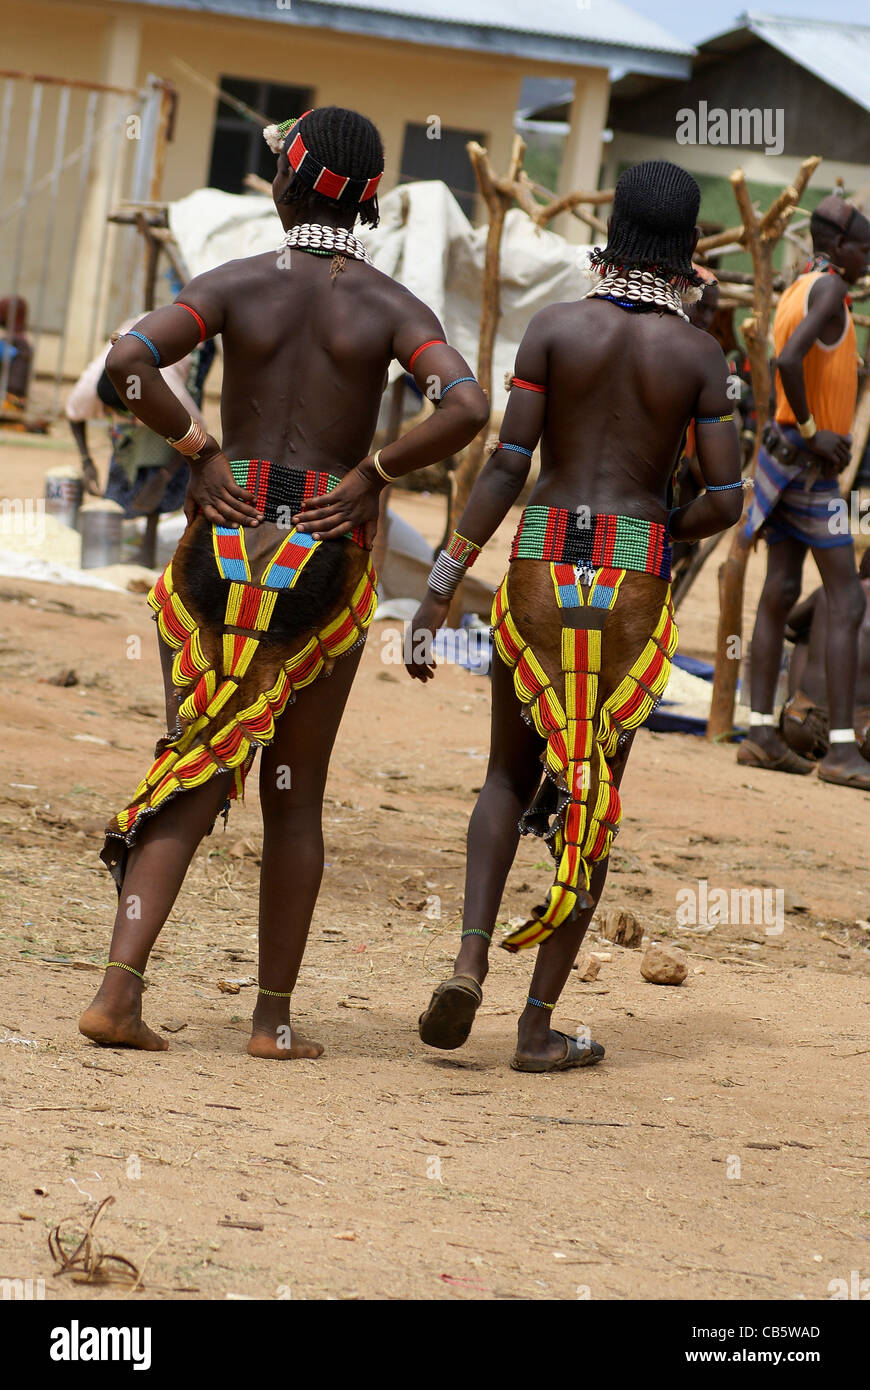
(282, 1044)
(126, 1029)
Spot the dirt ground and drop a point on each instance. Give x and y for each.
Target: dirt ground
(720, 1152)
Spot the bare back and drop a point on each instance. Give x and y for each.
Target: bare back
(305, 356)
(621, 388)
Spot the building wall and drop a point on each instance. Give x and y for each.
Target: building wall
(817, 118)
(102, 41)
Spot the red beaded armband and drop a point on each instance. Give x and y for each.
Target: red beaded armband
(528, 385)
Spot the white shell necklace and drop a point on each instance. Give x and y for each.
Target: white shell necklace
(326, 241)
(635, 287)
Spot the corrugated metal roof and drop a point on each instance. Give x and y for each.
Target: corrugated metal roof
(610, 23)
(566, 31)
(837, 53)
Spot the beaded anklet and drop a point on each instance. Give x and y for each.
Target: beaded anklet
(120, 965)
(275, 993)
(539, 1003)
(476, 931)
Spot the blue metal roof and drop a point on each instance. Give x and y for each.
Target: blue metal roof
(555, 31)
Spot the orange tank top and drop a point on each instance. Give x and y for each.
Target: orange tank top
(830, 370)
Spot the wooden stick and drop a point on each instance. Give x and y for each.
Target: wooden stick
(716, 239)
(497, 203)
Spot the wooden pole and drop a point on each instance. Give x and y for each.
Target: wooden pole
(497, 203)
(760, 236)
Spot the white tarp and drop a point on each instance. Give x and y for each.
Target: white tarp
(424, 241)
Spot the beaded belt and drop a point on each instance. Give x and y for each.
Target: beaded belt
(592, 539)
(279, 492)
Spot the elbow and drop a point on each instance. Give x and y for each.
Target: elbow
(470, 411)
(119, 365)
(730, 508)
(509, 471)
(480, 413)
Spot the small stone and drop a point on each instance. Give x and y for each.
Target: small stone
(622, 928)
(601, 956)
(587, 967)
(699, 970)
(664, 965)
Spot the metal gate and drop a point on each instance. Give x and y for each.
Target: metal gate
(70, 151)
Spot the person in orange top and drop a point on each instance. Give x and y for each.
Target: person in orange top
(796, 505)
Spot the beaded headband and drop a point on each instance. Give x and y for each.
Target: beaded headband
(336, 186)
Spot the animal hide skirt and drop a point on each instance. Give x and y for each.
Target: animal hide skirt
(238, 640)
(589, 642)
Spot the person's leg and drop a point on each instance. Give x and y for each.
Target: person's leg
(512, 776)
(556, 956)
(782, 584)
(154, 874)
(846, 608)
(292, 780)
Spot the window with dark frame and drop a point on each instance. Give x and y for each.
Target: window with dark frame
(238, 147)
(445, 159)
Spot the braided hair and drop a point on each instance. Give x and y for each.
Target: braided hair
(348, 144)
(655, 210)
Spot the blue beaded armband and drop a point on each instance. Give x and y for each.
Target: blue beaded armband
(516, 449)
(712, 419)
(147, 341)
(723, 487)
(458, 382)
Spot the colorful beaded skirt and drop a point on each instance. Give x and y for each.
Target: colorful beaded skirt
(589, 538)
(246, 639)
(616, 637)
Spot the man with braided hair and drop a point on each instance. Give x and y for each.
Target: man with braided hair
(272, 581)
(583, 622)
